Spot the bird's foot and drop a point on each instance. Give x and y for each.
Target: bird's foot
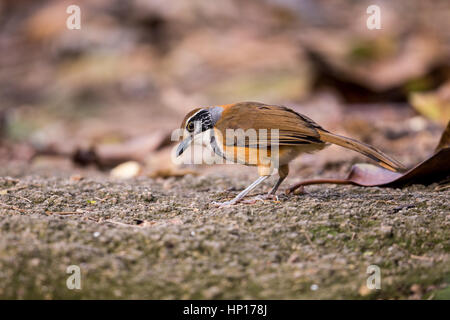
(224, 204)
(267, 196)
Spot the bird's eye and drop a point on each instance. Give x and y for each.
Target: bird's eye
(190, 127)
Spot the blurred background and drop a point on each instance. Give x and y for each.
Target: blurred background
(114, 90)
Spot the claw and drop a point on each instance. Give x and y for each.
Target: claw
(261, 198)
(253, 200)
(223, 204)
(226, 204)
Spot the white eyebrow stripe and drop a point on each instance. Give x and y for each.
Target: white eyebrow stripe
(187, 121)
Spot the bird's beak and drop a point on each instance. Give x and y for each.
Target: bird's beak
(183, 146)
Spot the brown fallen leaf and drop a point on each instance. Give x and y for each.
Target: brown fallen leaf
(379, 69)
(434, 169)
(47, 22)
(112, 155)
(444, 142)
(160, 165)
(433, 105)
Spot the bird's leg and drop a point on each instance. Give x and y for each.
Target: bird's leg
(243, 193)
(283, 172)
(275, 187)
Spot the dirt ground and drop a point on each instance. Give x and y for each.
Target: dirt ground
(162, 239)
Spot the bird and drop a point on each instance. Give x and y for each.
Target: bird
(270, 137)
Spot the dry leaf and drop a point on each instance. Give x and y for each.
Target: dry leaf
(48, 22)
(445, 139)
(110, 155)
(160, 165)
(434, 105)
(377, 77)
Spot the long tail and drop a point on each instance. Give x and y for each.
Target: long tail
(369, 151)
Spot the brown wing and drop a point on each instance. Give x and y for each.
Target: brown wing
(293, 128)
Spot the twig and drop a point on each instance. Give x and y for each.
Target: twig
(442, 187)
(23, 198)
(62, 212)
(308, 238)
(101, 200)
(16, 188)
(122, 224)
(421, 258)
(12, 207)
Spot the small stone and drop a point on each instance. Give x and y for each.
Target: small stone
(364, 291)
(149, 197)
(76, 177)
(386, 230)
(34, 262)
(293, 258)
(126, 170)
(415, 288)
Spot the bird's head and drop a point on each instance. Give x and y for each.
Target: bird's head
(195, 123)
